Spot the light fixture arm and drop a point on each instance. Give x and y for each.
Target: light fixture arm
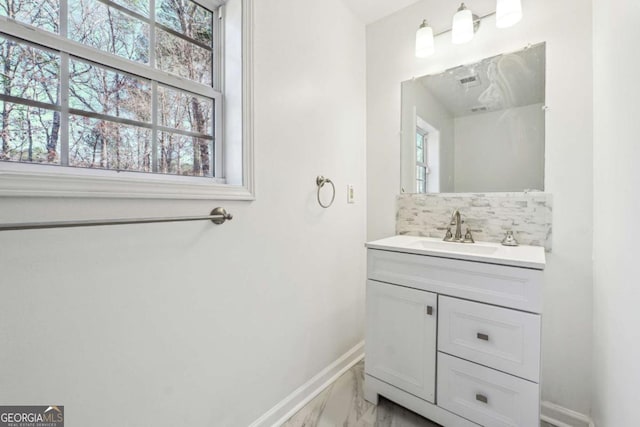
(476, 23)
(476, 18)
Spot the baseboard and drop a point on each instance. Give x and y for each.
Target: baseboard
(291, 404)
(560, 416)
(551, 413)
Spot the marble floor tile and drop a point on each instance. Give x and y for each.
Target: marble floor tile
(342, 404)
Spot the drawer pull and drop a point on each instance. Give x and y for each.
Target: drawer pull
(482, 398)
(483, 337)
(429, 310)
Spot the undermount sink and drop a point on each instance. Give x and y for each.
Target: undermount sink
(472, 248)
(488, 252)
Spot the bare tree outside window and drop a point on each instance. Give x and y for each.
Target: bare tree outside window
(105, 118)
(29, 133)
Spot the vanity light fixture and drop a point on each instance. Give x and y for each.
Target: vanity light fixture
(424, 41)
(462, 28)
(508, 13)
(465, 23)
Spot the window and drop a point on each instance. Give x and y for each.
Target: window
(422, 167)
(127, 86)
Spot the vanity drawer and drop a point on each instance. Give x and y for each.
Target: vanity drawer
(516, 287)
(500, 338)
(485, 396)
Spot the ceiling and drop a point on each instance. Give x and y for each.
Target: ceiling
(501, 82)
(372, 10)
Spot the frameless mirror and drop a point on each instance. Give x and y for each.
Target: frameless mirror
(477, 127)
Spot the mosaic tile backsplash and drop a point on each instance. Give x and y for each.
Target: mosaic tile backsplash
(492, 214)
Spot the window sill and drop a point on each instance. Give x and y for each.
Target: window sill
(24, 180)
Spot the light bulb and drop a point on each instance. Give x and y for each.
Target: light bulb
(424, 41)
(462, 27)
(508, 13)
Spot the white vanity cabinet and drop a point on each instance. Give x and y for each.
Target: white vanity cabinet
(455, 335)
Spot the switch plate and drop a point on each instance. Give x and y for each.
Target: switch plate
(351, 197)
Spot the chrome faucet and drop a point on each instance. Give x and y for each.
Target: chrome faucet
(457, 221)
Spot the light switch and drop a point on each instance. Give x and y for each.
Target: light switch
(351, 197)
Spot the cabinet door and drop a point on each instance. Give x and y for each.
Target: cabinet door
(401, 338)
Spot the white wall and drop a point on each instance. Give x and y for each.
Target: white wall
(616, 212)
(195, 324)
(569, 156)
(508, 143)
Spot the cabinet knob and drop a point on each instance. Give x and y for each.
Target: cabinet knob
(483, 337)
(429, 310)
(482, 398)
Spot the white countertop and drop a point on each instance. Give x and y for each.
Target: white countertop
(493, 253)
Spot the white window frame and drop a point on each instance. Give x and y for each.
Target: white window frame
(424, 162)
(36, 180)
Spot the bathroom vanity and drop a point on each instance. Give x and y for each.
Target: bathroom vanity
(453, 330)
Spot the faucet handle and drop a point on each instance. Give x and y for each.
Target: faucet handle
(448, 235)
(468, 238)
(509, 239)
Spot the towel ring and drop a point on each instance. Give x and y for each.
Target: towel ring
(320, 182)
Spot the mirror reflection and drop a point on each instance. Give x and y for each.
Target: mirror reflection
(477, 127)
